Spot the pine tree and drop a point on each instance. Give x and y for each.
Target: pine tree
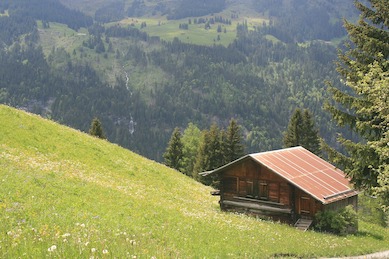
(302, 132)
(191, 140)
(375, 84)
(96, 129)
(209, 156)
(174, 151)
(311, 138)
(356, 107)
(292, 137)
(232, 142)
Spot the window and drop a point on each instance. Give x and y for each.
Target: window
(230, 185)
(249, 189)
(263, 190)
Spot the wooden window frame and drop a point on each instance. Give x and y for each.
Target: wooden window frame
(263, 190)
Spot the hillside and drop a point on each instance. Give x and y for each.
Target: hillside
(66, 194)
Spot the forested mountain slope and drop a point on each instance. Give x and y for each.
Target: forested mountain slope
(142, 87)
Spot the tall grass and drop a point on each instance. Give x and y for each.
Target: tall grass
(66, 194)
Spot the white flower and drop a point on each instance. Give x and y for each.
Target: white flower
(66, 235)
(93, 250)
(52, 248)
(105, 251)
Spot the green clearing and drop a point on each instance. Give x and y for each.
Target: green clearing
(66, 194)
(196, 33)
(60, 36)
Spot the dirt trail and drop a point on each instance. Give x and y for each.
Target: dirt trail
(378, 255)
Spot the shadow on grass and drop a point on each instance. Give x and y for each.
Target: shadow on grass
(369, 234)
(285, 255)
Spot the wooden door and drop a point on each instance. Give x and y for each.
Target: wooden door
(305, 205)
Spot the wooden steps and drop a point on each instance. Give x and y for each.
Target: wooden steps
(303, 224)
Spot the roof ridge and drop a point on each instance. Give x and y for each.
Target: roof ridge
(278, 150)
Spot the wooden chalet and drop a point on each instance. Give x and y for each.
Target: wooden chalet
(285, 185)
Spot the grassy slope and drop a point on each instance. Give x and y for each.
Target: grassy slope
(88, 197)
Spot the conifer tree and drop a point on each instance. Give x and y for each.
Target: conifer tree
(174, 151)
(210, 155)
(191, 140)
(96, 129)
(302, 132)
(363, 68)
(292, 136)
(311, 138)
(376, 84)
(232, 142)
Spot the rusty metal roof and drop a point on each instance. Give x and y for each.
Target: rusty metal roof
(308, 172)
(305, 170)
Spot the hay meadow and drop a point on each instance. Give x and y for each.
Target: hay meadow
(65, 194)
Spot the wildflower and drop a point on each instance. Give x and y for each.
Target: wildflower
(105, 251)
(93, 250)
(66, 235)
(52, 248)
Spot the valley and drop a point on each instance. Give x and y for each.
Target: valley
(148, 69)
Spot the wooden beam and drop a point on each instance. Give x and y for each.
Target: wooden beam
(256, 206)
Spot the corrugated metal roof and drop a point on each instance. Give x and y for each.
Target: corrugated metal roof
(304, 170)
(308, 172)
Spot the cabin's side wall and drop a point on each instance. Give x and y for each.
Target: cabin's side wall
(338, 205)
(252, 188)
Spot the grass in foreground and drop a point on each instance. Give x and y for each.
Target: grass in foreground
(66, 194)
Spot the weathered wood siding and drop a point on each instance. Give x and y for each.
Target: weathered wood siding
(338, 205)
(256, 189)
(251, 180)
(306, 205)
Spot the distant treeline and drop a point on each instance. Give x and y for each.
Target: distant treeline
(297, 21)
(46, 10)
(190, 8)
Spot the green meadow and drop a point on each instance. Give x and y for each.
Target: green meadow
(196, 33)
(65, 194)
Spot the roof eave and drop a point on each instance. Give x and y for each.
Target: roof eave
(216, 170)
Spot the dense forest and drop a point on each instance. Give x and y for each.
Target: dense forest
(255, 80)
(299, 21)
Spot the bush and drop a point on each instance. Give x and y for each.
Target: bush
(369, 210)
(340, 222)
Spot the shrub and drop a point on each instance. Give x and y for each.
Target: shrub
(342, 222)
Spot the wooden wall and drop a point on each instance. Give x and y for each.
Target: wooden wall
(338, 205)
(306, 205)
(249, 179)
